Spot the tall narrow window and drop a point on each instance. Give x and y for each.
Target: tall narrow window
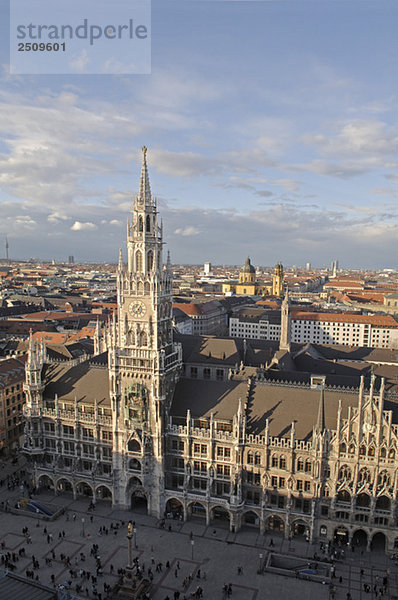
(149, 260)
(148, 224)
(140, 224)
(143, 339)
(138, 261)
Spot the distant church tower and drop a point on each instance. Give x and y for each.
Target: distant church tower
(277, 281)
(144, 364)
(284, 343)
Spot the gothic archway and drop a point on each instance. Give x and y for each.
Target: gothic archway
(383, 503)
(139, 502)
(64, 486)
(103, 493)
(174, 509)
(221, 516)
(251, 519)
(379, 542)
(275, 524)
(196, 509)
(134, 446)
(84, 489)
(45, 483)
(299, 528)
(360, 538)
(363, 500)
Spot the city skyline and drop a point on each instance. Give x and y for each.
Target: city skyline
(271, 131)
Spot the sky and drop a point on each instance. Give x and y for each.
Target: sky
(271, 127)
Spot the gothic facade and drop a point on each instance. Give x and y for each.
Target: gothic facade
(204, 430)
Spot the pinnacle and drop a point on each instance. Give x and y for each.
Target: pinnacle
(144, 193)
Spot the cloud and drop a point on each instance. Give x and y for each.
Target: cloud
(80, 62)
(56, 217)
(78, 226)
(182, 164)
(187, 231)
(292, 185)
(25, 222)
(55, 142)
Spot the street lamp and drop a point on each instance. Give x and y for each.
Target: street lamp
(135, 536)
(192, 545)
(83, 527)
(260, 556)
(37, 513)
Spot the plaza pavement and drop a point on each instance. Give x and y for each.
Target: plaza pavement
(216, 552)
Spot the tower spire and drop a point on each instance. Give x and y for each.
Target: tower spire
(320, 422)
(144, 194)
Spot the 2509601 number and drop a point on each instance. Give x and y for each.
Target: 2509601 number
(41, 47)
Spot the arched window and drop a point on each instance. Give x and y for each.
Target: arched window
(343, 496)
(140, 287)
(351, 449)
(371, 451)
(308, 466)
(300, 464)
(250, 458)
(363, 500)
(391, 454)
(343, 448)
(282, 462)
(138, 261)
(140, 224)
(274, 460)
(149, 261)
(362, 450)
(383, 453)
(143, 338)
(257, 458)
(383, 503)
(134, 446)
(147, 288)
(148, 224)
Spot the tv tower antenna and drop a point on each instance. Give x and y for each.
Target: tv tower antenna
(8, 260)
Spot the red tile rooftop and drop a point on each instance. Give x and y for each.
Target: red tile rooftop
(376, 320)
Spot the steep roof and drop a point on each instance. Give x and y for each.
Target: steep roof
(281, 404)
(84, 381)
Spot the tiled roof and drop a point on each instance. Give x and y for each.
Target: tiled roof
(376, 320)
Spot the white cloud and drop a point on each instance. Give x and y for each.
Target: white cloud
(79, 226)
(80, 62)
(56, 217)
(187, 231)
(25, 222)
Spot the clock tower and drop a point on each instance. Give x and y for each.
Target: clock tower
(144, 363)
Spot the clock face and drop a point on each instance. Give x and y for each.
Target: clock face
(137, 309)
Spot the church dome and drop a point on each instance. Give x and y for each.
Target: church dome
(248, 267)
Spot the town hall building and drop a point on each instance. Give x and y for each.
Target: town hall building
(220, 429)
